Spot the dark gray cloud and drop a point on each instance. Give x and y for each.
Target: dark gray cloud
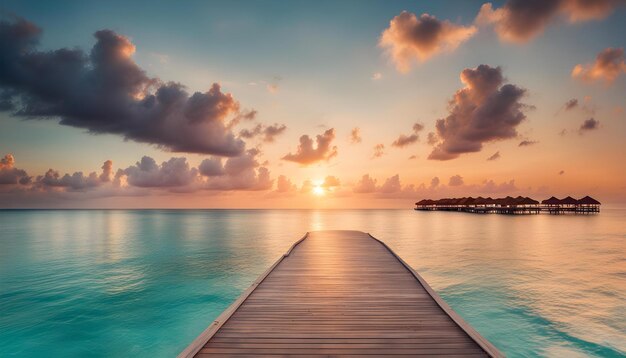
(308, 153)
(78, 181)
(405, 140)
(268, 133)
(251, 133)
(571, 104)
(9, 174)
(237, 173)
(146, 173)
(271, 132)
(174, 175)
(521, 20)
(495, 156)
(485, 110)
(589, 125)
(418, 127)
(211, 167)
(410, 38)
(527, 143)
(432, 139)
(105, 91)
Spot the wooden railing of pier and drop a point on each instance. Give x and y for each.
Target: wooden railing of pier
(340, 293)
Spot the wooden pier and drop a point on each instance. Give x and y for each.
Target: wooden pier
(340, 293)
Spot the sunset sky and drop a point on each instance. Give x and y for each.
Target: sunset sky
(294, 104)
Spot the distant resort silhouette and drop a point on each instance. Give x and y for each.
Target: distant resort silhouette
(512, 206)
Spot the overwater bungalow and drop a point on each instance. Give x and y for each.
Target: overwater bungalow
(510, 205)
(551, 205)
(569, 203)
(587, 205)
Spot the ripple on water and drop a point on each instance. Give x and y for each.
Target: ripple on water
(120, 283)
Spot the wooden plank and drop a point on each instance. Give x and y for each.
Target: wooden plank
(477, 337)
(340, 293)
(199, 342)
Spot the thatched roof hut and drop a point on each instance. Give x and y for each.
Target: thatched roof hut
(489, 201)
(551, 201)
(568, 201)
(528, 201)
(587, 200)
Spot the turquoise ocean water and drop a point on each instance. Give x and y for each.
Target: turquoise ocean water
(114, 283)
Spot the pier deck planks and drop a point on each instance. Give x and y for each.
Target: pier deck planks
(340, 293)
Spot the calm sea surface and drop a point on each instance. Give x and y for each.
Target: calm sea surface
(146, 283)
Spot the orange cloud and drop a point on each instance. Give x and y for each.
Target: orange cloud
(307, 153)
(7, 162)
(392, 187)
(11, 175)
(379, 150)
(284, 185)
(355, 135)
(366, 184)
(585, 10)
(107, 171)
(609, 65)
(455, 180)
(331, 182)
(410, 38)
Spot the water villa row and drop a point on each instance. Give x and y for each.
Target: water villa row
(510, 205)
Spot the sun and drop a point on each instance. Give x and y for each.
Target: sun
(318, 190)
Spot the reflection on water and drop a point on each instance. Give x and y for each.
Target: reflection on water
(119, 283)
